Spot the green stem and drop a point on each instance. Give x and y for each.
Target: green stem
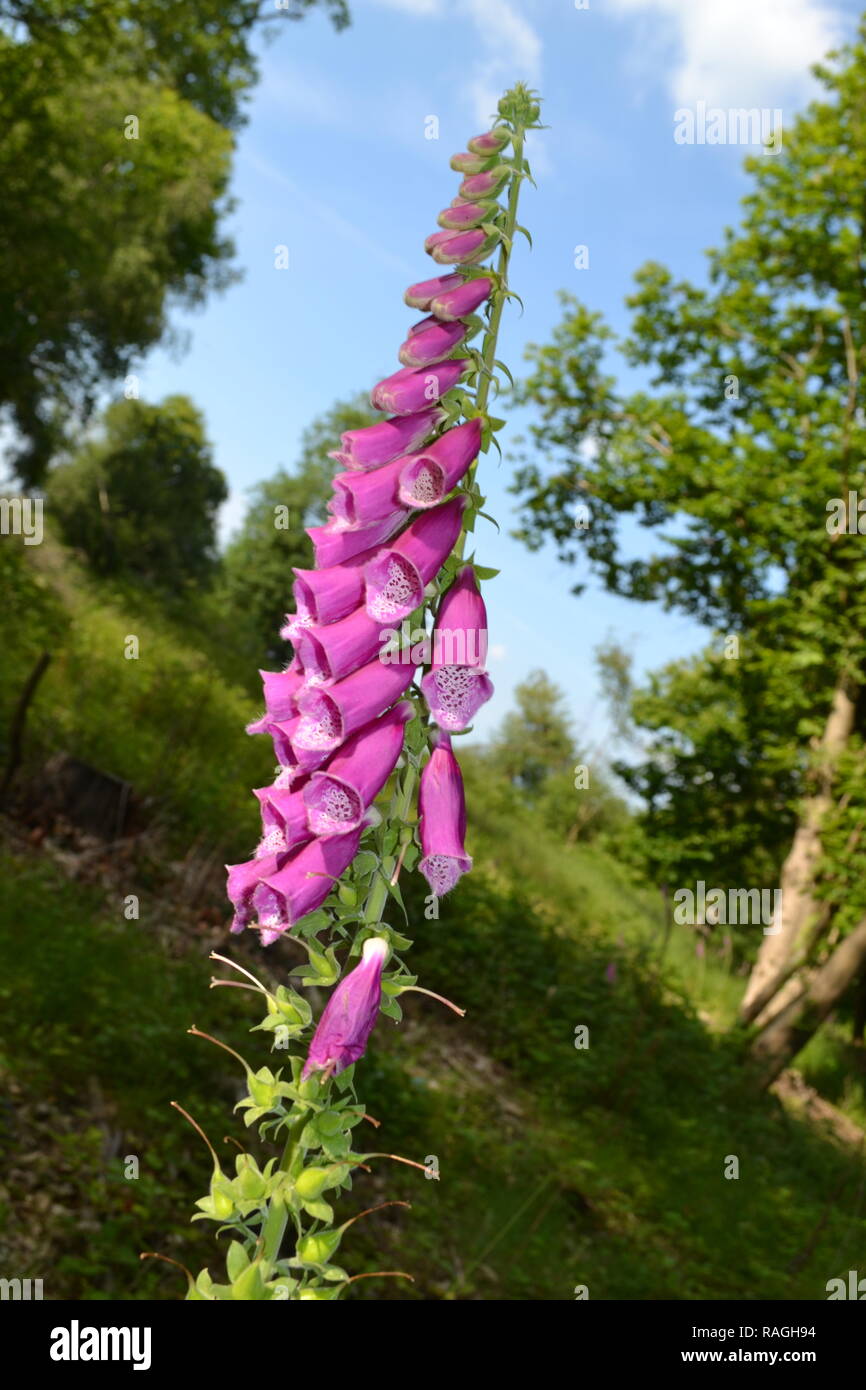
(488, 356)
(490, 341)
(378, 894)
(277, 1219)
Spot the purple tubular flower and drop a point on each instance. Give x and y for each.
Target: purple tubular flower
(335, 650)
(302, 882)
(396, 578)
(442, 808)
(337, 713)
(431, 341)
(461, 216)
(422, 294)
(283, 732)
(333, 545)
(487, 184)
(455, 694)
(430, 476)
(463, 248)
(469, 162)
(331, 714)
(243, 880)
(457, 685)
(412, 388)
(435, 239)
(491, 142)
(349, 1016)
(459, 300)
(323, 596)
(280, 689)
(361, 499)
(284, 820)
(337, 799)
(376, 444)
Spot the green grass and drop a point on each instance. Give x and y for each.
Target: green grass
(93, 1050)
(559, 1166)
(168, 720)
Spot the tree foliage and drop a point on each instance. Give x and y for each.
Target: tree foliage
(117, 121)
(729, 458)
(141, 498)
(534, 755)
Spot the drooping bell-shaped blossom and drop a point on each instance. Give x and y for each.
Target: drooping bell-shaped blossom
(469, 162)
(460, 633)
(302, 882)
(373, 445)
(413, 388)
(417, 481)
(333, 545)
(324, 595)
(361, 499)
(461, 248)
(485, 185)
(491, 142)
(428, 477)
(331, 714)
(431, 341)
(296, 758)
(350, 1014)
(457, 684)
(422, 294)
(396, 578)
(284, 820)
(461, 216)
(442, 810)
(280, 690)
(243, 879)
(282, 732)
(338, 798)
(334, 650)
(457, 301)
(436, 239)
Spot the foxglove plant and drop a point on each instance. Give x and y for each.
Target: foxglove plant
(346, 721)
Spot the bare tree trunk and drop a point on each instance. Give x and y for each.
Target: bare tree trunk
(791, 1029)
(802, 918)
(19, 721)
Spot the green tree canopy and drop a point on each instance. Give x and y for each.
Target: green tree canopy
(117, 120)
(738, 458)
(535, 740)
(141, 498)
(534, 752)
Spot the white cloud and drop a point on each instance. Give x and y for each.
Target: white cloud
(415, 7)
(741, 51)
(512, 53)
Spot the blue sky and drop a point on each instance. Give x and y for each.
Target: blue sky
(335, 165)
